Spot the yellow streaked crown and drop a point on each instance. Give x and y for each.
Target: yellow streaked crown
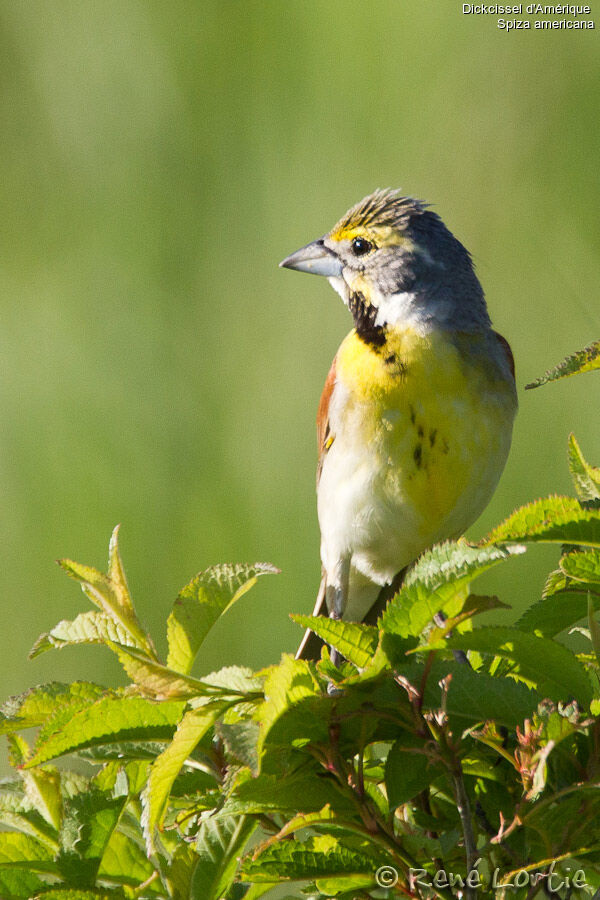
(381, 217)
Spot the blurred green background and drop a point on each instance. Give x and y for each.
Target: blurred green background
(159, 370)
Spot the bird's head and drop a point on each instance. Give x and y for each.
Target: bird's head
(399, 258)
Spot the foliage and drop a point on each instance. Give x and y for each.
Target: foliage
(438, 746)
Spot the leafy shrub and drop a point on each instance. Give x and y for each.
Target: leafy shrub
(417, 769)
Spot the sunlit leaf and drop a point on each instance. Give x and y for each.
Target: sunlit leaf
(356, 643)
(87, 628)
(582, 361)
(201, 602)
(285, 686)
(555, 520)
(192, 728)
(35, 706)
(108, 720)
(548, 664)
(159, 681)
(124, 862)
(110, 593)
(585, 477)
(582, 566)
(439, 577)
(24, 851)
(318, 857)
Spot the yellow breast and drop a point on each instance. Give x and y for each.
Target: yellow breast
(436, 413)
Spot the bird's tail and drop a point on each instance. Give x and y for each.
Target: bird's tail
(311, 645)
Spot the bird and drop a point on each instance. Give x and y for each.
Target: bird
(415, 420)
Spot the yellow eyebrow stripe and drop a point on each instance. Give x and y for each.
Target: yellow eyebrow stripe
(382, 236)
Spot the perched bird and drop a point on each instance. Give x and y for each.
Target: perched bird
(415, 420)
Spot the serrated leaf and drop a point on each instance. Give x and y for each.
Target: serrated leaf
(35, 706)
(18, 812)
(553, 520)
(357, 643)
(241, 740)
(76, 894)
(318, 857)
(304, 792)
(439, 577)
(87, 628)
(555, 613)
(550, 665)
(323, 816)
(582, 566)
(23, 851)
(159, 681)
(586, 478)
(201, 602)
(192, 728)
(108, 720)
(286, 685)
(582, 361)
(89, 822)
(218, 845)
(110, 593)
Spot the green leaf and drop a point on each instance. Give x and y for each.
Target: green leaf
(42, 789)
(87, 628)
(440, 577)
(219, 845)
(108, 720)
(318, 857)
(35, 706)
(75, 894)
(179, 872)
(475, 696)
(21, 817)
(124, 862)
(582, 361)
(17, 884)
(89, 822)
(553, 520)
(201, 603)
(259, 890)
(159, 681)
(241, 740)
(23, 851)
(585, 477)
(555, 613)
(406, 773)
(110, 593)
(357, 643)
(551, 666)
(192, 728)
(297, 792)
(582, 566)
(286, 686)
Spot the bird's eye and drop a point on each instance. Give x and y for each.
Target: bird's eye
(360, 246)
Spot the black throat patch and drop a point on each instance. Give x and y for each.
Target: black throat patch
(364, 316)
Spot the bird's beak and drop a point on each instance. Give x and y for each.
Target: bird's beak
(315, 258)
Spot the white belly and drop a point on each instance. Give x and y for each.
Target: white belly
(382, 502)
